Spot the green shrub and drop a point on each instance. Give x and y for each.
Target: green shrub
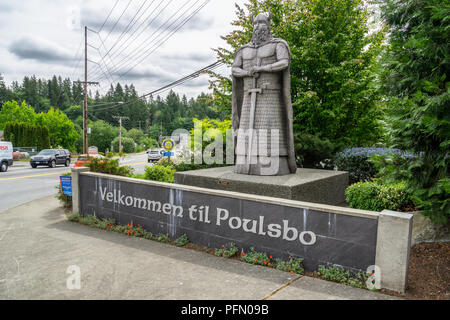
(110, 166)
(376, 196)
(160, 173)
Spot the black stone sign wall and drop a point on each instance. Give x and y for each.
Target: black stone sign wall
(212, 220)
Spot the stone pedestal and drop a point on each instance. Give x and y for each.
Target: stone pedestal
(309, 185)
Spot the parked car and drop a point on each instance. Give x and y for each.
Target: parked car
(83, 160)
(155, 155)
(51, 157)
(6, 155)
(67, 152)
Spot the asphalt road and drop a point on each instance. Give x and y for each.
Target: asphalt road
(21, 183)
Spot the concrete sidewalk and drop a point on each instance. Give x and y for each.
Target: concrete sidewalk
(38, 244)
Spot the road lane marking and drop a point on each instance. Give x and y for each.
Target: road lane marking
(132, 164)
(60, 172)
(36, 175)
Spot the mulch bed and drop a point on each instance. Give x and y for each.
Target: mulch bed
(428, 273)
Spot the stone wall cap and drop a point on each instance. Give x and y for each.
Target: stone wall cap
(81, 169)
(398, 214)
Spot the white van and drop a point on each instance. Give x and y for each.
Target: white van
(6, 155)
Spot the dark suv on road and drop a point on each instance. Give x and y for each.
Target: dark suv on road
(51, 157)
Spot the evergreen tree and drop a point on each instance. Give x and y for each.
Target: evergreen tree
(415, 78)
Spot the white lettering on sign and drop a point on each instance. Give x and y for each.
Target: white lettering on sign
(200, 213)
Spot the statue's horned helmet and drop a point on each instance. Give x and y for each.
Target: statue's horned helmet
(262, 16)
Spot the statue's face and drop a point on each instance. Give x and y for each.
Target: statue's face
(261, 29)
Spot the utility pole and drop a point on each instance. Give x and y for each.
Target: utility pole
(85, 138)
(86, 83)
(120, 132)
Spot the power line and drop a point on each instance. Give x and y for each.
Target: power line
(106, 66)
(159, 13)
(102, 104)
(126, 29)
(123, 63)
(148, 50)
(102, 58)
(123, 32)
(158, 45)
(108, 16)
(120, 17)
(101, 68)
(75, 64)
(171, 85)
(149, 24)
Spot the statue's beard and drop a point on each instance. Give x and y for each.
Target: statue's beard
(261, 36)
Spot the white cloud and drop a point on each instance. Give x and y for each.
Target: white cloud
(40, 39)
(35, 48)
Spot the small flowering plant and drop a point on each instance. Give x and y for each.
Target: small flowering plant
(111, 225)
(227, 250)
(294, 265)
(162, 238)
(341, 275)
(255, 257)
(182, 241)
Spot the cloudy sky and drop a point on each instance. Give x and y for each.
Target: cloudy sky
(45, 37)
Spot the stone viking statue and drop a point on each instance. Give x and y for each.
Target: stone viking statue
(262, 102)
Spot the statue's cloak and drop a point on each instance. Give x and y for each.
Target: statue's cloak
(238, 97)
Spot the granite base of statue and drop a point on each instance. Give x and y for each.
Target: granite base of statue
(262, 119)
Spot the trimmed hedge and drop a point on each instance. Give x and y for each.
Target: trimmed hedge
(22, 134)
(376, 196)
